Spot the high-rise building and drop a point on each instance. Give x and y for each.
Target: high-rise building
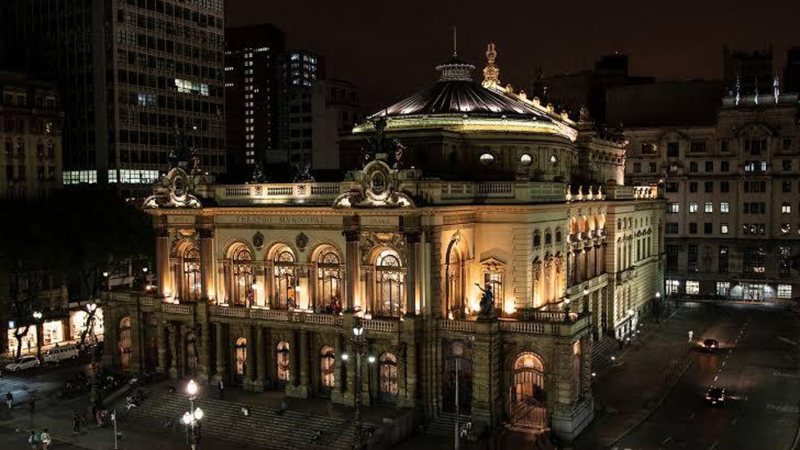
(732, 226)
(748, 73)
(131, 75)
(301, 70)
(253, 64)
(30, 133)
(336, 109)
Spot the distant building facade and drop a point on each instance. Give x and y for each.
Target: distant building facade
(253, 63)
(502, 269)
(733, 221)
(129, 74)
(336, 109)
(30, 133)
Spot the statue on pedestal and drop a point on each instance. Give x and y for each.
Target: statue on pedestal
(487, 310)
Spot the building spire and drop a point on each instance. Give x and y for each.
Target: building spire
(491, 73)
(455, 42)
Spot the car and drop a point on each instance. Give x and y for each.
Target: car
(710, 344)
(23, 363)
(715, 396)
(61, 353)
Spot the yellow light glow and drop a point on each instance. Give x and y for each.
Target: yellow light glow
(509, 307)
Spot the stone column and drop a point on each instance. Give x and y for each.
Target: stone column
(249, 369)
(136, 351)
(173, 351)
(221, 347)
(261, 363)
(161, 347)
(412, 242)
(352, 270)
(337, 393)
(487, 376)
(305, 373)
(207, 258)
(162, 257)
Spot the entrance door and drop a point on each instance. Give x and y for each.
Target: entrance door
(457, 358)
(527, 397)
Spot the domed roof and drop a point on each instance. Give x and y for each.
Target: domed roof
(457, 93)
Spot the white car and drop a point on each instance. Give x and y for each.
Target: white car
(23, 363)
(61, 353)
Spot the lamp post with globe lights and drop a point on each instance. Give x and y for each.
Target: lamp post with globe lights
(658, 307)
(359, 344)
(566, 308)
(37, 319)
(586, 300)
(192, 417)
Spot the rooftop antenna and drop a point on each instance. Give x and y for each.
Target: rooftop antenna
(455, 42)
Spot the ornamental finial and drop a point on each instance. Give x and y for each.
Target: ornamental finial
(491, 73)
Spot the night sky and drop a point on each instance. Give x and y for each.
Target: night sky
(389, 48)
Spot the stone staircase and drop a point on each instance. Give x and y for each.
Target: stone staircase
(263, 428)
(602, 351)
(444, 424)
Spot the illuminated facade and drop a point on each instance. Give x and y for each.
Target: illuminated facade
(732, 223)
(252, 277)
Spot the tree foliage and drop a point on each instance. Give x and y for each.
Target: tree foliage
(75, 234)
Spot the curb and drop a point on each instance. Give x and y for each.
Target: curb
(650, 412)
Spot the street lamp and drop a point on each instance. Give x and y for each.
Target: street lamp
(192, 417)
(37, 318)
(658, 307)
(359, 344)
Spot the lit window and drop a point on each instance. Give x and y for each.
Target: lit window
(692, 208)
(723, 228)
(786, 208)
(709, 207)
(190, 87)
(723, 287)
(525, 159)
(784, 291)
(672, 286)
(724, 207)
(692, 287)
(674, 208)
(786, 228)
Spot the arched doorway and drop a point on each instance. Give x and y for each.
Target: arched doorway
(387, 377)
(241, 359)
(526, 405)
(327, 369)
(457, 358)
(125, 349)
(282, 360)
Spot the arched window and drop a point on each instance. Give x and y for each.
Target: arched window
(527, 402)
(241, 277)
(328, 292)
(125, 348)
(548, 238)
(390, 283)
(327, 368)
(284, 278)
(537, 239)
(9, 148)
(241, 356)
(558, 236)
(282, 361)
(387, 368)
(455, 284)
(190, 288)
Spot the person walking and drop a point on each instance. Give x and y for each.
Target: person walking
(33, 440)
(76, 424)
(9, 400)
(45, 439)
(691, 335)
(221, 387)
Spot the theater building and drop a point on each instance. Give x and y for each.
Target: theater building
(462, 188)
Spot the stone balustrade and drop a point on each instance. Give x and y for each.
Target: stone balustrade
(172, 308)
(461, 326)
(380, 325)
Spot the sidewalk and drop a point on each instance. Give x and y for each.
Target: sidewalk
(626, 392)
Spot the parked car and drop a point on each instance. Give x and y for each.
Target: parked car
(710, 344)
(23, 363)
(715, 396)
(61, 353)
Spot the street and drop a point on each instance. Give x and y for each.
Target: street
(757, 365)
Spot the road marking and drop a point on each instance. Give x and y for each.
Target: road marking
(783, 408)
(735, 419)
(715, 378)
(667, 439)
(793, 376)
(714, 445)
(787, 341)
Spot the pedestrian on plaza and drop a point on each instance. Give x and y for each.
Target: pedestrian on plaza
(691, 335)
(221, 387)
(33, 440)
(45, 439)
(84, 426)
(76, 424)
(9, 400)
